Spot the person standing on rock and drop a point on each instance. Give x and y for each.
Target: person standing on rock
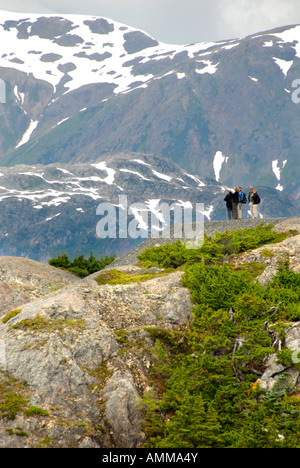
(251, 203)
(229, 206)
(235, 203)
(242, 201)
(254, 201)
(250, 198)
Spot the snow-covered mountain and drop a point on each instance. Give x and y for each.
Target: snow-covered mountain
(77, 86)
(207, 106)
(98, 50)
(83, 99)
(71, 52)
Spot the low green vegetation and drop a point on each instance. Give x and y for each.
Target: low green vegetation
(38, 324)
(14, 399)
(81, 266)
(214, 249)
(122, 277)
(11, 315)
(206, 375)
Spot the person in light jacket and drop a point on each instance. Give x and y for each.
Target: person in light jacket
(254, 201)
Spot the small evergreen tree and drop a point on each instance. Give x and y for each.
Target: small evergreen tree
(81, 266)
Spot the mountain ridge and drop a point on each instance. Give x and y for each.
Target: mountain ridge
(83, 90)
(46, 210)
(190, 73)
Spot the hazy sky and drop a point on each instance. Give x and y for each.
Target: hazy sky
(178, 21)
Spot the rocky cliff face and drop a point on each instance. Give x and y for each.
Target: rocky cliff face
(76, 356)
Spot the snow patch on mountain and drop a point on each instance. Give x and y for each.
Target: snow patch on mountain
(219, 160)
(284, 65)
(110, 172)
(20, 96)
(277, 170)
(268, 44)
(134, 173)
(201, 184)
(209, 68)
(162, 176)
(27, 135)
(140, 161)
(291, 35)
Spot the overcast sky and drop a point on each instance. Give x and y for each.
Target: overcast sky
(178, 21)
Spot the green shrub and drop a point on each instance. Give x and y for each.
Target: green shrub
(81, 266)
(214, 249)
(246, 239)
(209, 374)
(35, 411)
(164, 256)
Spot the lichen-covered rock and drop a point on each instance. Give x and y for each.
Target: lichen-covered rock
(272, 255)
(278, 376)
(122, 411)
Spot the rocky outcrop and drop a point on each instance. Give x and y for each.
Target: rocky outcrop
(272, 255)
(86, 358)
(22, 280)
(282, 377)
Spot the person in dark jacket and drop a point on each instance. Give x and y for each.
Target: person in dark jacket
(256, 202)
(237, 204)
(228, 200)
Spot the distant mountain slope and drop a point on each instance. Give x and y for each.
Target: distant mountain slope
(80, 86)
(50, 209)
